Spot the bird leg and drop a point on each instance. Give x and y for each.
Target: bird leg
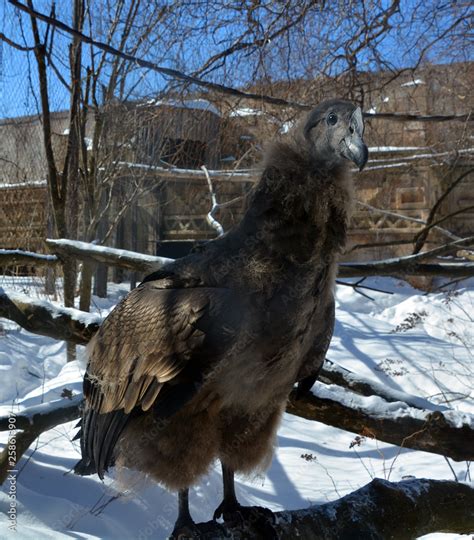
(230, 504)
(184, 523)
(185, 527)
(262, 519)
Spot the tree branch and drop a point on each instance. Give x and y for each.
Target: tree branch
(220, 88)
(14, 44)
(394, 267)
(422, 235)
(40, 317)
(121, 258)
(333, 373)
(17, 257)
(34, 421)
(214, 205)
(131, 260)
(446, 433)
(409, 265)
(389, 213)
(381, 509)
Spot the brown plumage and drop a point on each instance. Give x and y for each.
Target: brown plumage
(196, 363)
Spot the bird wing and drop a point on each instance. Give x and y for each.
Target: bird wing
(314, 360)
(154, 338)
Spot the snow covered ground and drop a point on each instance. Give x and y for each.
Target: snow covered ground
(421, 344)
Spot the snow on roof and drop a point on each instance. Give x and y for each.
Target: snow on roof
(416, 82)
(246, 111)
(196, 104)
(33, 183)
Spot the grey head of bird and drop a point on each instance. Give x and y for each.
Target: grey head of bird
(334, 133)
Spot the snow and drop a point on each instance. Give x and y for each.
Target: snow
(244, 174)
(379, 408)
(105, 250)
(245, 111)
(28, 254)
(415, 82)
(87, 140)
(56, 310)
(408, 342)
(196, 104)
(395, 148)
(286, 126)
(26, 184)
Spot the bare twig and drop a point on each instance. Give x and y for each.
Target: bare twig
(405, 218)
(214, 205)
(14, 44)
(421, 236)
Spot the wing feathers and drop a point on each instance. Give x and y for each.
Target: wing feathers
(150, 395)
(145, 342)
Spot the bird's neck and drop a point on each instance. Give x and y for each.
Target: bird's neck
(300, 210)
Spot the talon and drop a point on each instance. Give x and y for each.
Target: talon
(205, 531)
(262, 519)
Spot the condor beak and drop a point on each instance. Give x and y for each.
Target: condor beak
(353, 146)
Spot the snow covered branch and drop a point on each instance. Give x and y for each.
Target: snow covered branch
(17, 257)
(33, 422)
(444, 432)
(401, 267)
(332, 373)
(411, 265)
(381, 509)
(121, 258)
(47, 319)
(449, 433)
(214, 205)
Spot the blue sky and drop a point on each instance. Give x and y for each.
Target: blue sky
(18, 69)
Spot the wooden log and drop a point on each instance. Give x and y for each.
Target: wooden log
(130, 260)
(403, 269)
(122, 258)
(380, 510)
(17, 257)
(46, 319)
(33, 422)
(437, 432)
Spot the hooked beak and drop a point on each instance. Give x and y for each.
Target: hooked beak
(353, 146)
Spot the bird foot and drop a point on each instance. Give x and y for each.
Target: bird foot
(257, 517)
(204, 531)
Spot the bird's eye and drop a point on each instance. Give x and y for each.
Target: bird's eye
(332, 119)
